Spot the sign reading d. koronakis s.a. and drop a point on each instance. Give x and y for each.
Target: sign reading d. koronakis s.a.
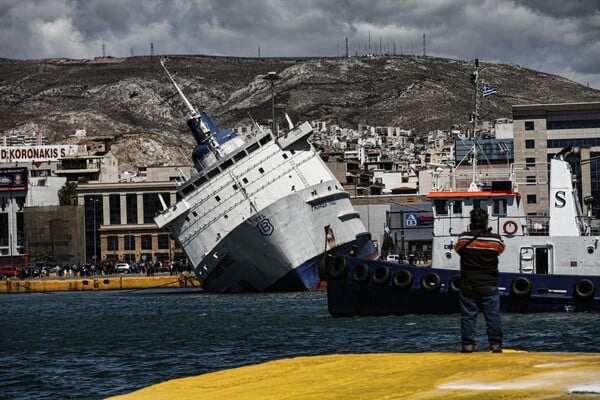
(36, 153)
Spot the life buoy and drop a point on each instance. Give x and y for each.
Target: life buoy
(338, 268)
(510, 227)
(403, 279)
(521, 287)
(455, 283)
(584, 289)
(360, 273)
(431, 282)
(381, 275)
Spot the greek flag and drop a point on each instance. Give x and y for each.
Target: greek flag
(489, 90)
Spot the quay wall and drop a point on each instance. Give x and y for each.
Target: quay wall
(95, 283)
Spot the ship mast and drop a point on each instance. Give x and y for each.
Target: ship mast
(196, 118)
(475, 184)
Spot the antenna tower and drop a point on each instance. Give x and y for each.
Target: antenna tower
(424, 46)
(347, 48)
(151, 49)
(104, 49)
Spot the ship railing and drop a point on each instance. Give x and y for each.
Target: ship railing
(530, 225)
(211, 190)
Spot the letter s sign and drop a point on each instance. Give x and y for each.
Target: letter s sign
(559, 199)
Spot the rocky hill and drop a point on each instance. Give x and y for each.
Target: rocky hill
(133, 100)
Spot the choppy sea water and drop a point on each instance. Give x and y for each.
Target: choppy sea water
(93, 345)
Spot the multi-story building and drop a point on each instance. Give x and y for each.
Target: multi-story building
(542, 130)
(119, 221)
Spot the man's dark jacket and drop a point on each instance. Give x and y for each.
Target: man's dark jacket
(479, 250)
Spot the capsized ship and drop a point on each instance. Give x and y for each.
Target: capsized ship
(550, 263)
(262, 212)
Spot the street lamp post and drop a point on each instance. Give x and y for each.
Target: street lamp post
(95, 228)
(272, 76)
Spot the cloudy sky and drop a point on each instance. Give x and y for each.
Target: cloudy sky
(560, 37)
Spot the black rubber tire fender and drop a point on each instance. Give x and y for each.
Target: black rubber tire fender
(381, 275)
(584, 289)
(338, 268)
(521, 287)
(403, 279)
(455, 283)
(431, 282)
(360, 274)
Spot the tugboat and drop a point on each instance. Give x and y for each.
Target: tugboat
(261, 212)
(549, 263)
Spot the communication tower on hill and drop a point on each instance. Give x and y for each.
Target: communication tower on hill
(151, 49)
(104, 46)
(347, 48)
(424, 46)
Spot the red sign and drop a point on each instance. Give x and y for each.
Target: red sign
(13, 179)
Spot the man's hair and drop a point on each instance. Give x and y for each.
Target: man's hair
(479, 219)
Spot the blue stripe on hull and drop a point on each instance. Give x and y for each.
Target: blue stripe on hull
(306, 275)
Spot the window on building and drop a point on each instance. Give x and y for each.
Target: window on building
(529, 125)
(530, 144)
(131, 205)
(146, 242)
(114, 204)
(530, 162)
(499, 207)
(129, 242)
(163, 241)
(112, 243)
(4, 229)
(531, 199)
(152, 205)
(531, 180)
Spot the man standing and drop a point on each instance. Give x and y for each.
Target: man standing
(479, 249)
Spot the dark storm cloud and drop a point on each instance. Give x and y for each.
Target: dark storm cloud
(558, 37)
(563, 9)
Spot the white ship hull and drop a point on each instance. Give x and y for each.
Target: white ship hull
(278, 248)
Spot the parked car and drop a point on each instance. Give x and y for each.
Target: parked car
(122, 267)
(393, 257)
(8, 272)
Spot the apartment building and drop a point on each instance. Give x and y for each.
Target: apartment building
(541, 131)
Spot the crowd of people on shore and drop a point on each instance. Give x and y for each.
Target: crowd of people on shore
(90, 269)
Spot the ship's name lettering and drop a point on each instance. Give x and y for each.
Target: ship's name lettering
(257, 218)
(322, 205)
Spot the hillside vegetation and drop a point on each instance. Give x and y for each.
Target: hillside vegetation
(133, 100)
